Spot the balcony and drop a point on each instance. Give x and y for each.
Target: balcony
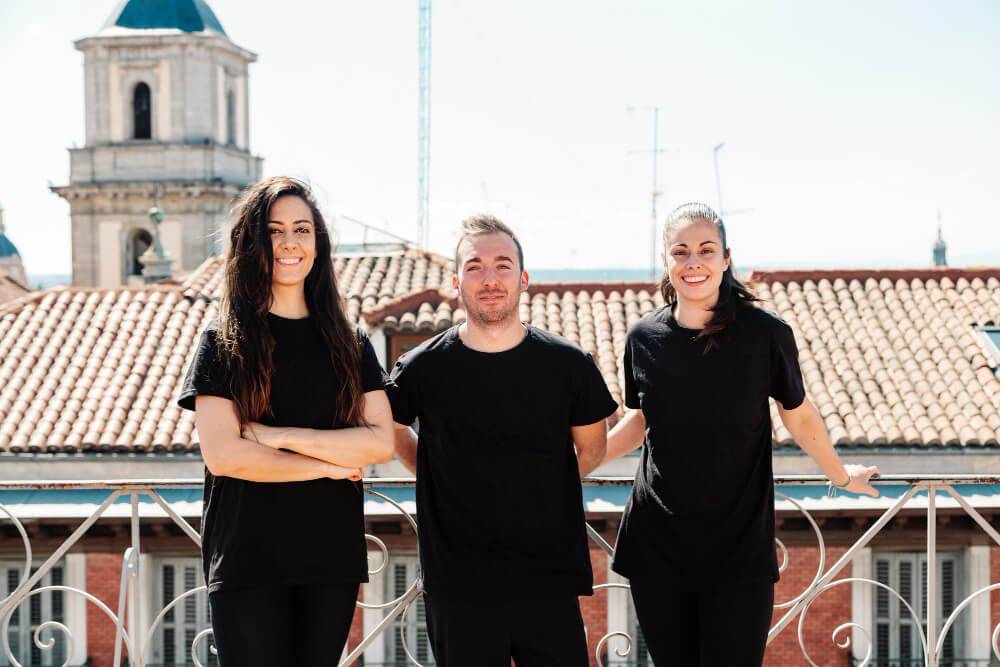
(897, 561)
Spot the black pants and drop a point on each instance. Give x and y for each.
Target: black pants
(727, 628)
(535, 633)
(271, 626)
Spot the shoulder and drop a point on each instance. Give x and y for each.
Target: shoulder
(361, 335)
(432, 349)
(764, 321)
(556, 344)
(651, 323)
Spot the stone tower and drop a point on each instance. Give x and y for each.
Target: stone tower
(166, 126)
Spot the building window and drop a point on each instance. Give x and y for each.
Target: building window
(138, 242)
(230, 118)
(897, 639)
(180, 625)
(142, 126)
(992, 335)
(401, 573)
(37, 609)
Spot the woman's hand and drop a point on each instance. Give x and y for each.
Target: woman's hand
(861, 479)
(340, 472)
(275, 437)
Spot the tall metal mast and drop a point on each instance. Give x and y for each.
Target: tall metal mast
(423, 121)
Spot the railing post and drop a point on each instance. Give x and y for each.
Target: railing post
(134, 594)
(931, 611)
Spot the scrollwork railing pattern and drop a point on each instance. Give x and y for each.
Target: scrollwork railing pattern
(932, 636)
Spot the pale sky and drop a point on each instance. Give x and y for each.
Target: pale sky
(846, 125)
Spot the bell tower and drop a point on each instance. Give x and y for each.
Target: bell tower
(167, 126)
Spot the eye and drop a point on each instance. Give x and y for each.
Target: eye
(707, 251)
(505, 267)
(302, 230)
(274, 230)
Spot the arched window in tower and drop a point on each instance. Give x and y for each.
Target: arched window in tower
(230, 118)
(142, 125)
(138, 242)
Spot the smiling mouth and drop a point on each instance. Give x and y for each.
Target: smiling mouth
(694, 280)
(289, 261)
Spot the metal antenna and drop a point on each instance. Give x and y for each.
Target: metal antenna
(423, 121)
(656, 193)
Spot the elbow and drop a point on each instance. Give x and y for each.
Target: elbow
(214, 456)
(385, 446)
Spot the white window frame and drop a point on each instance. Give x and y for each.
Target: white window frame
(417, 637)
(186, 629)
(22, 633)
(898, 617)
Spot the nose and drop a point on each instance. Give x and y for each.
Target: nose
(288, 240)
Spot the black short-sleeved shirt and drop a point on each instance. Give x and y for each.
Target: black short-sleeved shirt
(701, 513)
(256, 533)
(499, 501)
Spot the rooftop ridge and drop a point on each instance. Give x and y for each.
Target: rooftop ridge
(926, 273)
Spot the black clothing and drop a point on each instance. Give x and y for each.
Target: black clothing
(701, 513)
(707, 629)
(498, 487)
(283, 532)
(535, 633)
(303, 625)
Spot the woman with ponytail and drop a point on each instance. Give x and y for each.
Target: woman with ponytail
(697, 537)
(289, 405)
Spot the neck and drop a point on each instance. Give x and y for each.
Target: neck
(289, 301)
(694, 315)
(494, 338)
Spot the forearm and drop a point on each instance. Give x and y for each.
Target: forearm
(406, 447)
(627, 435)
(810, 433)
(350, 447)
(247, 460)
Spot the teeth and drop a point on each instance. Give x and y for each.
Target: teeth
(695, 280)
(290, 261)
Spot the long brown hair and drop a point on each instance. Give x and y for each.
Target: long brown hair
(244, 333)
(733, 294)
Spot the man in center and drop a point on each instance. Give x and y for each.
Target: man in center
(510, 418)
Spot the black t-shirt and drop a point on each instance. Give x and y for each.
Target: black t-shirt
(499, 502)
(256, 533)
(701, 513)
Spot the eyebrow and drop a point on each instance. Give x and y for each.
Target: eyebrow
(295, 222)
(700, 244)
(499, 258)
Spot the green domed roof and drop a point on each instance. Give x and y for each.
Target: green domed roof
(185, 15)
(7, 248)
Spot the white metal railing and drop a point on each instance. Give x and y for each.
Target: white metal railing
(796, 609)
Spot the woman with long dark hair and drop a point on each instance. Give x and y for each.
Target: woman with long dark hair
(697, 538)
(289, 406)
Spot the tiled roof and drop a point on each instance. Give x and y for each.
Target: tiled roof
(11, 288)
(888, 360)
(98, 369)
(895, 359)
